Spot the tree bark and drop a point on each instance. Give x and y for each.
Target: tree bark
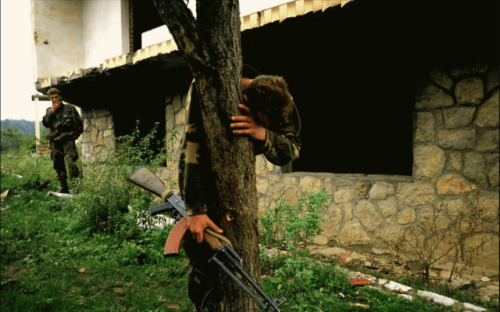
(211, 45)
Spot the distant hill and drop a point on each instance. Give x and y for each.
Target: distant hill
(22, 125)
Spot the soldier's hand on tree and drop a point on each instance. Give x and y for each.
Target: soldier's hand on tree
(196, 224)
(246, 125)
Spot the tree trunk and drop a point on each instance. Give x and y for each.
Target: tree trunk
(211, 45)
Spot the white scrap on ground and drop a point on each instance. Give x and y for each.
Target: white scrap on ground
(397, 287)
(64, 195)
(437, 298)
(473, 307)
(406, 296)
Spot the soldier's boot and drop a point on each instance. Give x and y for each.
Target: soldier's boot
(64, 187)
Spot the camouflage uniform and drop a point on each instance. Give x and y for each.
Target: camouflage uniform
(282, 145)
(65, 127)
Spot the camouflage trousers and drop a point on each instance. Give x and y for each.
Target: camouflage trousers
(59, 152)
(203, 277)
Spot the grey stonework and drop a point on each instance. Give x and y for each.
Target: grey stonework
(98, 133)
(455, 152)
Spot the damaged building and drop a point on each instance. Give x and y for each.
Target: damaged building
(399, 101)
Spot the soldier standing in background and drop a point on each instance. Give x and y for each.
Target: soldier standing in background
(65, 127)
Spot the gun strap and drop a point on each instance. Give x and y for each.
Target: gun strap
(219, 236)
(166, 193)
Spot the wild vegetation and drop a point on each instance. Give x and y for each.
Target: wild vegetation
(90, 252)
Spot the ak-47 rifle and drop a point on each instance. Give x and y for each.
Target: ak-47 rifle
(174, 205)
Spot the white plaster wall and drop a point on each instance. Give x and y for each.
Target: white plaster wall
(105, 30)
(59, 22)
(154, 36)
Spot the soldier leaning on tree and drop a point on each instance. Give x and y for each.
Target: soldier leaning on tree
(272, 123)
(65, 127)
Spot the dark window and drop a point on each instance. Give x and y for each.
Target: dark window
(145, 17)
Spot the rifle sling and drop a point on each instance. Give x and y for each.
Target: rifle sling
(219, 236)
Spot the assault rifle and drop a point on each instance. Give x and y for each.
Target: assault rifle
(223, 253)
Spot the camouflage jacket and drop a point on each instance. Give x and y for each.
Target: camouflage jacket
(282, 145)
(64, 124)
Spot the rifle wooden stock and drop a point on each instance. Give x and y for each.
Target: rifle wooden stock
(147, 180)
(175, 238)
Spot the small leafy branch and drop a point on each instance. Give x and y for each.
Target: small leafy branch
(284, 226)
(441, 237)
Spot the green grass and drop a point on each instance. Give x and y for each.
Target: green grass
(45, 241)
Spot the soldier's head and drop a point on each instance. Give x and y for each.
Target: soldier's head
(54, 95)
(268, 98)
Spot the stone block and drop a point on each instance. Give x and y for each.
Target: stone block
(348, 209)
(475, 168)
(488, 141)
(273, 178)
(425, 128)
(469, 91)
(492, 79)
(415, 194)
(327, 228)
(488, 113)
(86, 137)
(320, 240)
(429, 160)
(407, 216)
(309, 184)
(291, 197)
(353, 234)
(180, 117)
(86, 124)
(441, 78)
(491, 159)
(101, 123)
(493, 175)
(290, 182)
(260, 166)
(276, 190)
(427, 219)
(488, 256)
(170, 118)
(388, 235)
(262, 186)
(345, 195)
(397, 287)
(489, 207)
(388, 208)
(331, 252)
(111, 123)
(335, 216)
(108, 133)
(361, 188)
(432, 97)
(454, 184)
(454, 162)
(381, 190)
(100, 112)
(270, 166)
(94, 133)
(177, 102)
(458, 117)
(368, 215)
(457, 139)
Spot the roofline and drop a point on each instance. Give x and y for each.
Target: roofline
(258, 19)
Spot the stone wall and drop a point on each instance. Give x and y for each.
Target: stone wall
(456, 150)
(98, 133)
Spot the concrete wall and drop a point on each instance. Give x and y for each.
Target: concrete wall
(105, 30)
(59, 22)
(456, 143)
